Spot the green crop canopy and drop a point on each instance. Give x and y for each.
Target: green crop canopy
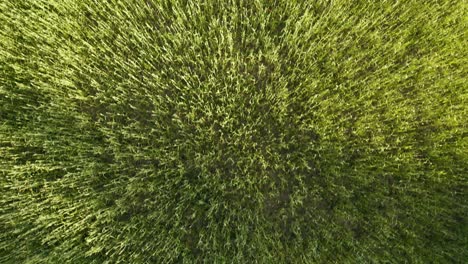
(235, 131)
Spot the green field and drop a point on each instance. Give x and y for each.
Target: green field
(236, 131)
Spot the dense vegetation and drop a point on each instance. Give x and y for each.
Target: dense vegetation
(279, 131)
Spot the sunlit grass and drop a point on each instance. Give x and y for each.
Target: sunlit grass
(233, 131)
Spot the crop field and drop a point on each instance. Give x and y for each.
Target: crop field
(236, 131)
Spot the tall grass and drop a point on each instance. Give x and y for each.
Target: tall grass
(233, 131)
